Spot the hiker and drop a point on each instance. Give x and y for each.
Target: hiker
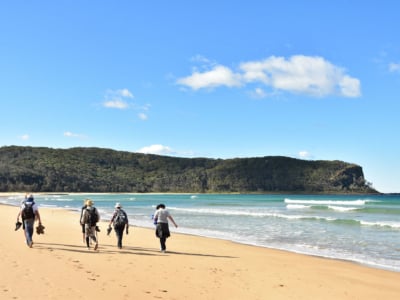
(120, 223)
(161, 216)
(29, 212)
(90, 217)
(80, 221)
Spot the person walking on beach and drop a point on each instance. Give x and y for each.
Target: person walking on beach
(80, 221)
(161, 216)
(29, 212)
(120, 222)
(90, 217)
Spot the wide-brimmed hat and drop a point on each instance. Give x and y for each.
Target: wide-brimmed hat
(118, 205)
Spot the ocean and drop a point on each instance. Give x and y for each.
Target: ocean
(357, 228)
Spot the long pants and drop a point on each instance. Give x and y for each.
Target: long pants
(119, 231)
(90, 233)
(28, 224)
(162, 243)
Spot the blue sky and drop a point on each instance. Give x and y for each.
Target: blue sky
(316, 80)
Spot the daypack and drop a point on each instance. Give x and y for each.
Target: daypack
(27, 211)
(120, 218)
(93, 217)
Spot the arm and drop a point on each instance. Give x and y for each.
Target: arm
(19, 214)
(172, 220)
(37, 214)
(127, 220)
(127, 223)
(112, 219)
(83, 218)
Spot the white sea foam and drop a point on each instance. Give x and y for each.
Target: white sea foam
(297, 206)
(341, 208)
(325, 202)
(390, 224)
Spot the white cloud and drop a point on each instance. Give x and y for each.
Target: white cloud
(201, 59)
(73, 135)
(24, 137)
(117, 103)
(310, 75)
(116, 98)
(304, 154)
(142, 116)
(218, 76)
(258, 93)
(125, 93)
(394, 67)
(156, 149)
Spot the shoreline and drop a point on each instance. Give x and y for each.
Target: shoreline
(194, 267)
(367, 263)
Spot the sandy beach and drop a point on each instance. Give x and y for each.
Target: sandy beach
(60, 267)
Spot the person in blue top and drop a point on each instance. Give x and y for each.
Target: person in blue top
(161, 216)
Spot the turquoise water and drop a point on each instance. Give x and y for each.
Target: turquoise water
(363, 229)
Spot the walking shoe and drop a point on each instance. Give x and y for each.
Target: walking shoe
(96, 246)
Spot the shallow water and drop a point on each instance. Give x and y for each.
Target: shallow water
(363, 229)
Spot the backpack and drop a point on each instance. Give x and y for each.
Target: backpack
(27, 211)
(93, 217)
(120, 218)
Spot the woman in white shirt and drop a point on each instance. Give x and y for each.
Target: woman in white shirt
(161, 216)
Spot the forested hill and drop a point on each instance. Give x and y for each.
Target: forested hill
(40, 169)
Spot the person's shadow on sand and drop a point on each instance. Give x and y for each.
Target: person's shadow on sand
(108, 249)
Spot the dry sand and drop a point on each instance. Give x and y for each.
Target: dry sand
(60, 267)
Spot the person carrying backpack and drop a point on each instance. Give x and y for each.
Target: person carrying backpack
(120, 223)
(80, 221)
(29, 212)
(90, 217)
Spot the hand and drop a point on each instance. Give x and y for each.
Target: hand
(127, 230)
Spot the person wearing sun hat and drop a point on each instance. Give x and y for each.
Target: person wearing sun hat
(120, 223)
(80, 220)
(90, 217)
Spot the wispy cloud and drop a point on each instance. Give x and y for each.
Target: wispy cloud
(310, 75)
(24, 137)
(117, 98)
(74, 135)
(142, 116)
(394, 67)
(258, 93)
